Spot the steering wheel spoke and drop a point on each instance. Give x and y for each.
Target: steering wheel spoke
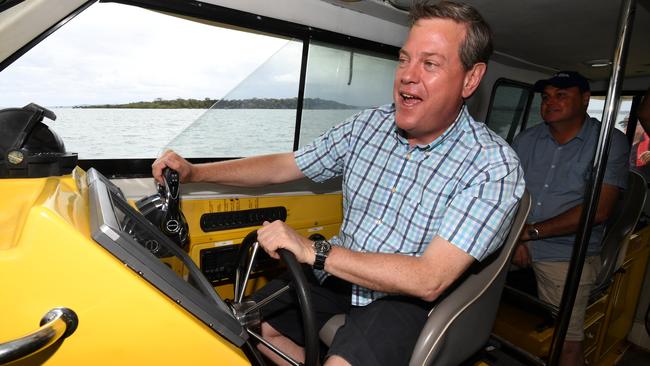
(260, 304)
(247, 310)
(240, 283)
(273, 348)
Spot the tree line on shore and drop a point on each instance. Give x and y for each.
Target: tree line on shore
(251, 103)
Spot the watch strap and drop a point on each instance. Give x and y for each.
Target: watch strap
(533, 232)
(322, 249)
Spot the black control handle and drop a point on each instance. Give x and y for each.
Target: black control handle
(173, 223)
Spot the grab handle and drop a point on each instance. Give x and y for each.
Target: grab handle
(57, 324)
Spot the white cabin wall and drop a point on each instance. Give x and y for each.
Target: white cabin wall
(630, 84)
(479, 102)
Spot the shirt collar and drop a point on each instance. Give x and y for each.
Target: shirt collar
(585, 130)
(453, 130)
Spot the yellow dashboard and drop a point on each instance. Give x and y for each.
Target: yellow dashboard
(49, 258)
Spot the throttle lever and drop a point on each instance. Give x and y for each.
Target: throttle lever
(173, 223)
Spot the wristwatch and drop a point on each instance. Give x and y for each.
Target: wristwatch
(533, 233)
(322, 248)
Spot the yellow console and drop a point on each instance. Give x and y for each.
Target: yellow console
(49, 259)
(215, 252)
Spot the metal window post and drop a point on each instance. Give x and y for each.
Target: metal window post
(592, 192)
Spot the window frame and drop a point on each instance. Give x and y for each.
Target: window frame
(511, 83)
(636, 95)
(133, 168)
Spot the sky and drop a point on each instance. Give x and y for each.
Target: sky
(113, 53)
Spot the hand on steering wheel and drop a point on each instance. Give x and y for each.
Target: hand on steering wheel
(247, 312)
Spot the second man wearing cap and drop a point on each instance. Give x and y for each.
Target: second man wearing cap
(557, 160)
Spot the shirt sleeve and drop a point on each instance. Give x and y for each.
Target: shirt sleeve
(479, 217)
(324, 158)
(618, 161)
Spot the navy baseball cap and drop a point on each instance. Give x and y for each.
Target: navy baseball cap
(563, 80)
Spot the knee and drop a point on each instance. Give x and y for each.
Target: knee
(335, 360)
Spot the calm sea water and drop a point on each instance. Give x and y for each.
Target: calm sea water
(145, 133)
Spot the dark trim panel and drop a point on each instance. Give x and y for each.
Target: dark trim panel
(301, 93)
(130, 168)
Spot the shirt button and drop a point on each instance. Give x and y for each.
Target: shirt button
(378, 222)
(545, 185)
(394, 189)
(553, 166)
(408, 156)
(539, 203)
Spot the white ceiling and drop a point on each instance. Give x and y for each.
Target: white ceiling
(558, 34)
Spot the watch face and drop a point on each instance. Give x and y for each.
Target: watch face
(322, 246)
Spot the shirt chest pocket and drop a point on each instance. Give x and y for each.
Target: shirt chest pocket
(572, 176)
(415, 223)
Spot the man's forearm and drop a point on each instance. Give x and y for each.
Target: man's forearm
(565, 223)
(249, 172)
(425, 277)
(568, 222)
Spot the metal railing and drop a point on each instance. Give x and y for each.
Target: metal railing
(58, 323)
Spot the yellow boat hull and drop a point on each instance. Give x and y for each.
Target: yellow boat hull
(48, 260)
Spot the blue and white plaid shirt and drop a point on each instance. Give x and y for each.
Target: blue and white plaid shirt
(463, 187)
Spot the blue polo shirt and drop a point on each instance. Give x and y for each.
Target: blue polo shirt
(556, 176)
(464, 186)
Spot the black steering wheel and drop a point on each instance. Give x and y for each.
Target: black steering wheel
(247, 312)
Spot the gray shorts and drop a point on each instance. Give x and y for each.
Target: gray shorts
(550, 285)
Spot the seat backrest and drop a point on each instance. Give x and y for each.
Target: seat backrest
(620, 228)
(461, 322)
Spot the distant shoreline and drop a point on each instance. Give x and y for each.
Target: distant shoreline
(252, 103)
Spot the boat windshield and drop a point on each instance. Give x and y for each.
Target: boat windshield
(154, 81)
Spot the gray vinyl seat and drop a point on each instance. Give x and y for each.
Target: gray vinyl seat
(618, 231)
(461, 320)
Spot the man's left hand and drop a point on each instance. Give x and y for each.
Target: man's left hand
(277, 234)
(521, 257)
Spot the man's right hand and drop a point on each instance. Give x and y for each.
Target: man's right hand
(174, 161)
(521, 258)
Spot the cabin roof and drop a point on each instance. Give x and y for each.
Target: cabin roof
(555, 34)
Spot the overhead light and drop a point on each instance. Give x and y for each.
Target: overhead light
(603, 62)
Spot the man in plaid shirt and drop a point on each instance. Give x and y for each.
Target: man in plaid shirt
(426, 192)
